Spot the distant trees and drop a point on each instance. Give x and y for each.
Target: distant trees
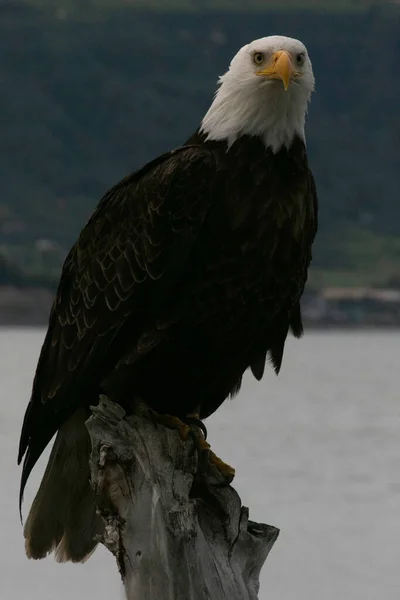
(84, 102)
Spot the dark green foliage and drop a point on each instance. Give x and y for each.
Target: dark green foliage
(83, 101)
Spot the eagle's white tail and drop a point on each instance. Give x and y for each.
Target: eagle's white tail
(63, 515)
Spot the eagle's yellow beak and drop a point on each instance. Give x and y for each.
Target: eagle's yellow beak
(280, 67)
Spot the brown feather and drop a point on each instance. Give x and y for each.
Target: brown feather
(189, 272)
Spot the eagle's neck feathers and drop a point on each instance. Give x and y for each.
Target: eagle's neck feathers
(267, 111)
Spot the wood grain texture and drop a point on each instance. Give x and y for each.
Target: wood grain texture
(175, 537)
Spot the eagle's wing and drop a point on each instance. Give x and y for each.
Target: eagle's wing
(311, 206)
(275, 347)
(127, 257)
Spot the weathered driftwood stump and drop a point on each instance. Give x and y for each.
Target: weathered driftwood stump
(175, 537)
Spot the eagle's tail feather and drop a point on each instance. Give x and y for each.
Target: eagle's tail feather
(63, 515)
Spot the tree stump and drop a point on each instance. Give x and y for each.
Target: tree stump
(174, 537)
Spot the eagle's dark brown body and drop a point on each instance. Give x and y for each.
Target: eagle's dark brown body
(189, 272)
(239, 291)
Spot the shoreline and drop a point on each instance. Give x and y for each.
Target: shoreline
(30, 307)
(24, 307)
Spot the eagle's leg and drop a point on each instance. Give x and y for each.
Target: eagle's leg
(192, 426)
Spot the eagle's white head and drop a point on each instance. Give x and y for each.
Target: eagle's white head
(264, 93)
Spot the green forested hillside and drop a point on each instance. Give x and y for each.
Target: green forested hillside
(210, 5)
(87, 96)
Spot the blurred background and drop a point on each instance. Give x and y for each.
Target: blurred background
(92, 89)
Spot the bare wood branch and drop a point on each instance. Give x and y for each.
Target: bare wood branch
(175, 536)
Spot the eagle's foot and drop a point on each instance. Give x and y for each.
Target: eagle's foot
(207, 456)
(192, 426)
(226, 470)
(195, 421)
(172, 422)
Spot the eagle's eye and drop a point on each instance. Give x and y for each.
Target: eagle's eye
(300, 58)
(258, 58)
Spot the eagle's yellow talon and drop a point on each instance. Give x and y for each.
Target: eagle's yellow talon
(202, 445)
(226, 470)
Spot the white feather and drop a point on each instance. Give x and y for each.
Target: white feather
(246, 103)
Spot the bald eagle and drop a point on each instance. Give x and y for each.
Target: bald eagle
(189, 272)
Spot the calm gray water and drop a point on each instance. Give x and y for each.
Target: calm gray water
(317, 453)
